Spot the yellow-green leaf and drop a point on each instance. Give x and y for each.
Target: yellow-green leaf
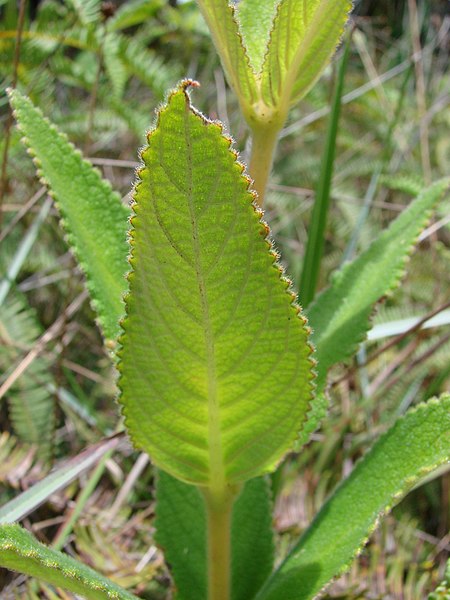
(20, 551)
(215, 363)
(221, 20)
(303, 39)
(415, 445)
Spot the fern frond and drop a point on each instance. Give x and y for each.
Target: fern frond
(16, 461)
(31, 405)
(406, 183)
(88, 11)
(115, 67)
(148, 67)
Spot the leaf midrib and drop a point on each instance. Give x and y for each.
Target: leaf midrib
(216, 463)
(310, 35)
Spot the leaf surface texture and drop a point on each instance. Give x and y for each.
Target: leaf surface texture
(221, 19)
(94, 218)
(20, 551)
(340, 315)
(215, 367)
(304, 37)
(255, 23)
(415, 445)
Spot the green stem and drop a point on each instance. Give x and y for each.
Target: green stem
(316, 235)
(264, 141)
(219, 512)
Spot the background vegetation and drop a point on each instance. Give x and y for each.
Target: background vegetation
(99, 70)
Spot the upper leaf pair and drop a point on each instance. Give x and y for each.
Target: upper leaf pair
(273, 51)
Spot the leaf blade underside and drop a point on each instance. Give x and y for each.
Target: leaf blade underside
(416, 444)
(93, 216)
(215, 364)
(221, 20)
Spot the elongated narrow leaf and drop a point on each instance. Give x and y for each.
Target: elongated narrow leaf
(340, 315)
(181, 532)
(94, 218)
(321, 207)
(414, 446)
(303, 39)
(215, 367)
(221, 20)
(20, 551)
(255, 19)
(27, 501)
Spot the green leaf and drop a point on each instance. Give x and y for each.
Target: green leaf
(251, 539)
(20, 551)
(23, 504)
(132, 13)
(221, 20)
(415, 445)
(442, 592)
(94, 218)
(340, 315)
(31, 403)
(319, 215)
(181, 532)
(115, 67)
(316, 415)
(255, 19)
(87, 11)
(215, 367)
(303, 39)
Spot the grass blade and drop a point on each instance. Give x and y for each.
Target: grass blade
(27, 501)
(315, 244)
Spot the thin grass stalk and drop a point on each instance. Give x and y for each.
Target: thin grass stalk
(315, 243)
(86, 493)
(9, 121)
(23, 250)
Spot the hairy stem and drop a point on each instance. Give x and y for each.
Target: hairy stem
(219, 511)
(264, 141)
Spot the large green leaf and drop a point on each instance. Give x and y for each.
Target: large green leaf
(340, 315)
(255, 19)
(304, 36)
(414, 446)
(181, 532)
(20, 551)
(94, 218)
(221, 20)
(215, 364)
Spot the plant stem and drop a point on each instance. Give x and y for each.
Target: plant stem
(10, 119)
(219, 545)
(264, 141)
